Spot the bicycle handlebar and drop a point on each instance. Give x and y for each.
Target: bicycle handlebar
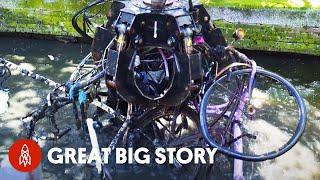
(239, 54)
(83, 84)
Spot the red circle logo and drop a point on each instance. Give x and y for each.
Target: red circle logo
(25, 155)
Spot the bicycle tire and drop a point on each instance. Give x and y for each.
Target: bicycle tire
(270, 155)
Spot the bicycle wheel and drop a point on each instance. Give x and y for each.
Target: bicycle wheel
(172, 130)
(271, 121)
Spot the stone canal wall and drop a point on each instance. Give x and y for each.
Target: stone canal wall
(47, 17)
(276, 27)
(282, 30)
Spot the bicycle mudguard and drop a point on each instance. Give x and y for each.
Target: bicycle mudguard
(215, 37)
(124, 79)
(128, 89)
(111, 62)
(179, 90)
(100, 41)
(196, 69)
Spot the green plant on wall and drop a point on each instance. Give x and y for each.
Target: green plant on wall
(53, 17)
(284, 4)
(43, 16)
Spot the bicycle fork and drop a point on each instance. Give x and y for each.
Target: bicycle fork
(237, 119)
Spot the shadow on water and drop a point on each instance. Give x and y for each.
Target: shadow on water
(301, 162)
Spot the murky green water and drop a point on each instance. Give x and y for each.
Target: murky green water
(302, 162)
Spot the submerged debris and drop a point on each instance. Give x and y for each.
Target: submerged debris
(51, 57)
(4, 98)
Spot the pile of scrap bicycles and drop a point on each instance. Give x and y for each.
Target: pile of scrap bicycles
(167, 78)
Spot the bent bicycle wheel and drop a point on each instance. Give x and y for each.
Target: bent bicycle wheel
(172, 130)
(262, 126)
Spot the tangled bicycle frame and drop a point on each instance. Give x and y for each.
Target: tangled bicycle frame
(158, 59)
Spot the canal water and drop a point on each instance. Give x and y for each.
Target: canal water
(57, 60)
